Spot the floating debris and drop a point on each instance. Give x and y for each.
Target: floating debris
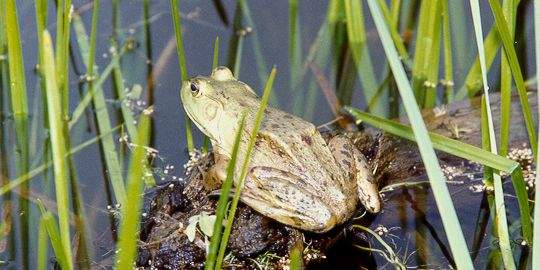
(524, 156)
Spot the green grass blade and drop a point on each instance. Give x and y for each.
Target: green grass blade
(360, 52)
(536, 236)
(448, 82)
(89, 95)
(295, 55)
(506, 85)
(493, 181)
(262, 69)
(182, 62)
(42, 246)
(489, 135)
(426, 56)
(390, 17)
(48, 221)
(238, 55)
(19, 107)
(448, 214)
(215, 58)
(511, 56)
(63, 20)
(296, 260)
(520, 188)
(221, 208)
(92, 51)
(215, 63)
(58, 143)
(131, 213)
(240, 181)
(440, 142)
(127, 114)
(473, 80)
(108, 145)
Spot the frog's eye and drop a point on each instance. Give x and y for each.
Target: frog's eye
(194, 89)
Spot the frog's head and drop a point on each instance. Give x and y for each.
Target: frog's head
(214, 104)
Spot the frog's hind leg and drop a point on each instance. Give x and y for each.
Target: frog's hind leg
(284, 197)
(354, 163)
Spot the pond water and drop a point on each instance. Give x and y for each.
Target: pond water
(411, 217)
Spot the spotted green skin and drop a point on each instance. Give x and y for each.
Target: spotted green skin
(295, 176)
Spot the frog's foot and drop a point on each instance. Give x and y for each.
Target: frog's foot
(285, 197)
(354, 163)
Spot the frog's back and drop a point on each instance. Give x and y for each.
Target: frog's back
(290, 144)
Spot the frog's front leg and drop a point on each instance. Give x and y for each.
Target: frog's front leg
(355, 165)
(217, 173)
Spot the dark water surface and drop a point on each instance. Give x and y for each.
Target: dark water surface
(411, 217)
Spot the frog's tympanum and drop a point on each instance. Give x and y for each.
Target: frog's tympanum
(294, 176)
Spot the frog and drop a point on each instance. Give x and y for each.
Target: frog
(295, 176)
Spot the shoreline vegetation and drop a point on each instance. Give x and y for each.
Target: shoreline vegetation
(374, 61)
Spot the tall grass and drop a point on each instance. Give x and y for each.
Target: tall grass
(436, 177)
(510, 53)
(131, 213)
(58, 143)
(356, 35)
(19, 108)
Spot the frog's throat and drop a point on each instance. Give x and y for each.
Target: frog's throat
(201, 127)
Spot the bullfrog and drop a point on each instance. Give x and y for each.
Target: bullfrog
(295, 176)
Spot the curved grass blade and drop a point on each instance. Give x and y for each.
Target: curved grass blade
(58, 143)
(440, 142)
(240, 183)
(448, 214)
(131, 213)
(221, 208)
